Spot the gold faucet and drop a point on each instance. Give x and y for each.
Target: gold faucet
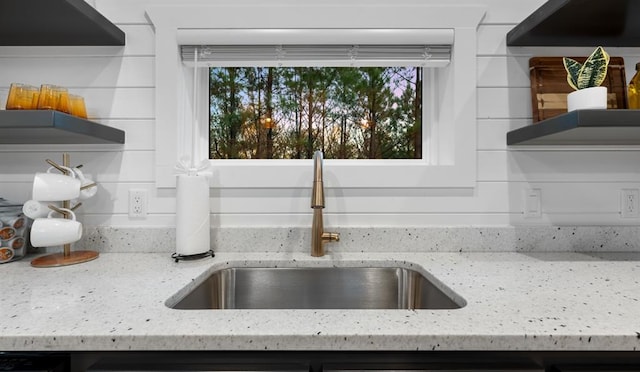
(318, 236)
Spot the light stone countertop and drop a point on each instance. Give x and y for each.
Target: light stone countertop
(515, 301)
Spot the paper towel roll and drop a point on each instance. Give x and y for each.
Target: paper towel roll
(192, 215)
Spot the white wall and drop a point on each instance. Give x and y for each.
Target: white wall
(577, 187)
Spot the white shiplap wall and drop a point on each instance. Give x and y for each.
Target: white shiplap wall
(577, 187)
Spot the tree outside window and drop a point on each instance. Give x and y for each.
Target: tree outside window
(289, 112)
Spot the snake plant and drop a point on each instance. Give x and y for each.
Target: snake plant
(590, 74)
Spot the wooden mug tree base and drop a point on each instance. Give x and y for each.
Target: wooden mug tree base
(60, 259)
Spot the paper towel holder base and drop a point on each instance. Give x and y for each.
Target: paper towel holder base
(188, 257)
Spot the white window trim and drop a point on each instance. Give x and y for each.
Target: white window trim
(454, 121)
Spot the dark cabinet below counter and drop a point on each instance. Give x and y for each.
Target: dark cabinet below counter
(34, 361)
(342, 361)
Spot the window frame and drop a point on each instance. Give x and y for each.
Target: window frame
(450, 136)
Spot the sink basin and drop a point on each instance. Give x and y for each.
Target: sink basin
(317, 288)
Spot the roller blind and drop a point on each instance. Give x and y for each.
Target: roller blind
(316, 47)
(316, 55)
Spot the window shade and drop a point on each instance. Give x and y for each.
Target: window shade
(317, 55)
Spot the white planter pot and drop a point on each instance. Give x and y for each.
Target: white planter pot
(588, 98)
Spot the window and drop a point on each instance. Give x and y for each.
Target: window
(284, 101)
(289, 112)
(448, 159)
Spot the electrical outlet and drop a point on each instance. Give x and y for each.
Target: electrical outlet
(629, 199)
(138, 203)
(532, 205)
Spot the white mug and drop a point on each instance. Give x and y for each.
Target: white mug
(47, 232)
(56, 187)
(89, 191)
(35, 209)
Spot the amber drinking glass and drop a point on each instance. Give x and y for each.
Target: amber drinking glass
(22, 97)
(53, 97)
(64, 104)
(48, 99)
(77, 106)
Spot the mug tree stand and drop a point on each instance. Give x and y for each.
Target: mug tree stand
(67, 257)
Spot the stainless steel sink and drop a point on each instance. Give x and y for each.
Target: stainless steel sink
(317, 288)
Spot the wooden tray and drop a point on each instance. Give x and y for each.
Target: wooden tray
(549, 87)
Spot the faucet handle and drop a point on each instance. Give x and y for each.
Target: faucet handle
(331, 237)
(317, 191)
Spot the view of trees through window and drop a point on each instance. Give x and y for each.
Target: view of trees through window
(289, 112)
